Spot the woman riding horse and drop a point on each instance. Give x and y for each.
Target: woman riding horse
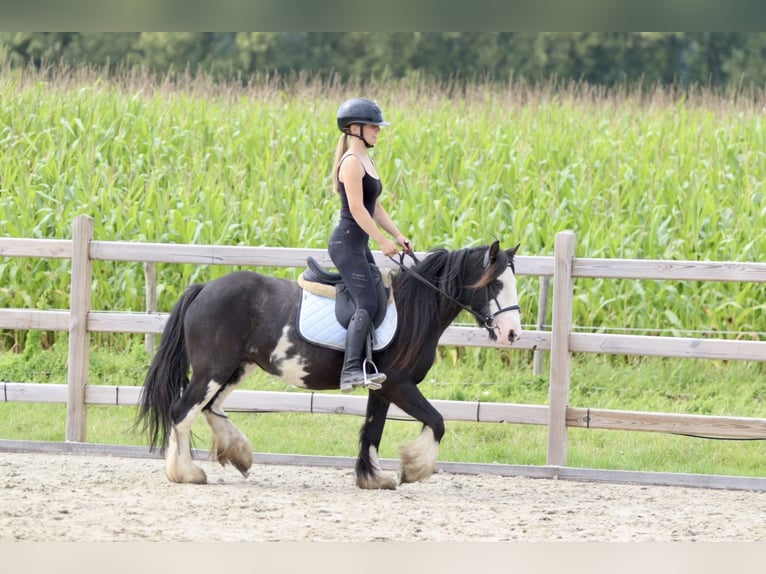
(356, 180)
(224, 329)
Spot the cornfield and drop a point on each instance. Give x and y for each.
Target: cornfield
(646, 173)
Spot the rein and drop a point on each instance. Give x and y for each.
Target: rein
(487, 322)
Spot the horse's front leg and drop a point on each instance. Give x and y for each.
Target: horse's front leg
(418, 459)
(369, 474)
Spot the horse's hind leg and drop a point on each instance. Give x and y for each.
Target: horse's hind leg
(178, 462)
(369, 474)
(229, 444)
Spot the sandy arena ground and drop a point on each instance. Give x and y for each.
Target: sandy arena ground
(66, 497)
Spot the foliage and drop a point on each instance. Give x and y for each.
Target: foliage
(658, 175)
(602, 58)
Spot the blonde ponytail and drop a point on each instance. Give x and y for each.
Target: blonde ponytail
(340, 151)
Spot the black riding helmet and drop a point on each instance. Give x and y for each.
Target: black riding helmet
(359, 111)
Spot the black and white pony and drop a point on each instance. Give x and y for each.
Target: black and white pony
(226, 328)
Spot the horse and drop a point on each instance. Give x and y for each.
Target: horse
(226, 328)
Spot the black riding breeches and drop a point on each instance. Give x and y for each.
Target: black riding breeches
(352, 257)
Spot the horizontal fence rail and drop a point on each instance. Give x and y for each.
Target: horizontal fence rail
(245, 401)
(561, 341)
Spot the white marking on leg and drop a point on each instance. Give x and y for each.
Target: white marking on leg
(229, 445)
(291, 370)
(419, 457)
(178, 464)
(379, 478)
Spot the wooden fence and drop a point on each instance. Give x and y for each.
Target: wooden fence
(80, 320)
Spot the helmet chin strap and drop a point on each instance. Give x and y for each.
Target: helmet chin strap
(361, 137)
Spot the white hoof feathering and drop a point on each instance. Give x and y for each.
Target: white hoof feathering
(419, 457)
(379, 479)
(178, 464)
(229, 445)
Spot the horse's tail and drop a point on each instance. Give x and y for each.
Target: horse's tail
(168, 375)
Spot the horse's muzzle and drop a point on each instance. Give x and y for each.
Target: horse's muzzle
(508, 337)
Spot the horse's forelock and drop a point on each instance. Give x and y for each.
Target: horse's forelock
(493, 270)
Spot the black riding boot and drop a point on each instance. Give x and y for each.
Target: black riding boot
(353, 374)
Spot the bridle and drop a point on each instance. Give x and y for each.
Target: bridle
(488, 321)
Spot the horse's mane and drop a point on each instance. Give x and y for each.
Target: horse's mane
(457, 273)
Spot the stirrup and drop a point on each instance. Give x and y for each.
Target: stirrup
(375, 380)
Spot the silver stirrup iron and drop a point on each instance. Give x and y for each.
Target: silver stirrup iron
(377, 378)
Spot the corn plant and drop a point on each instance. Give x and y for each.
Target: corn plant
(644, 174)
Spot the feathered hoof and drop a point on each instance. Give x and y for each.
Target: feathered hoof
(243, 467)
(378, 481)
(415, 474)
(418, 459)
(192, 475)
(240, 458)
(230, 445)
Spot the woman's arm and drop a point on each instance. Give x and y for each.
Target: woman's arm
(382, 218)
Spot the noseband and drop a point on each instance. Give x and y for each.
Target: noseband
(488, 321)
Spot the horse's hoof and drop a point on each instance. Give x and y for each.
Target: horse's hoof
(383, 481)
(242, 462)
(195, 476)
(244, 470)
(415, 474)
(418, 459)
(239, 454)
(198, 478)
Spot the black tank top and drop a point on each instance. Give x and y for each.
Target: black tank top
(371, 190)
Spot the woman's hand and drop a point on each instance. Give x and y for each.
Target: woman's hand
(405, 243)
(388, 247)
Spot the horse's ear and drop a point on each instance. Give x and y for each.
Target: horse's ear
(490, 256)
(512, 252)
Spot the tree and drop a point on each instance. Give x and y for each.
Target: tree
(600, 58)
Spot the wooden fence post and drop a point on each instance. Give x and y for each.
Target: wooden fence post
(150, 289)
(558, 396)
(542, 313)
(80, 298)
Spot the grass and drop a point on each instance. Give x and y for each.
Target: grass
(650, 384)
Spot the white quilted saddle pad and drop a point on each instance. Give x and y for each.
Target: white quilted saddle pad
(317, 323)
